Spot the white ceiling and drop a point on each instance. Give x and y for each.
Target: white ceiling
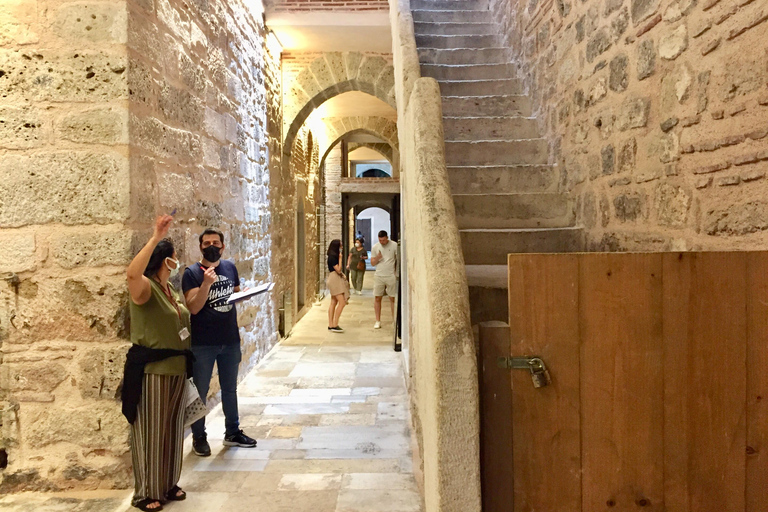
(354, 104)
(334, 31)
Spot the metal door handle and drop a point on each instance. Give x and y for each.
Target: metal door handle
(539, 373)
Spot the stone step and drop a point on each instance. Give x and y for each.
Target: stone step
(441, 41)
(454, 29)
(481, 87)
(491, 246)
(468, 72)
(501, 152)
(521, 179)
(513, 211)
(489, 128)
(452, 16)
(487, 276)
(487, 106)
(445, 5)
(454, 56)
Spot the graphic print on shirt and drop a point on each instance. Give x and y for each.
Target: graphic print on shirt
(220, 291)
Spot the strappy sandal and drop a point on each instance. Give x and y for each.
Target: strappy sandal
(173, 494)
(145, 505)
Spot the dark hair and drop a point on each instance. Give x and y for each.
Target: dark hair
(164, 249)
(382, 233)
(335, 247)
(359, 240)
(211, 231)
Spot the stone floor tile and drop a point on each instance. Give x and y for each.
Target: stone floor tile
(285, 432)
(333, 466)
(305, 409)
(379, 370)
(245, 454)
(323, 392)
(347, 419)
(288, 454)
(389, 411)
(379, 481)
(348, 399)
(324, 370)
(363, 408)
(325, 382)
(301, 420)
(283, 400)
(393, 382)
(256, 483)
(199, 501)
(378, 501)
(198, 481)
(284, 501)
(310, 482)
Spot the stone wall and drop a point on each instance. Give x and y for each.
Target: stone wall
(326, 5)
(657, 114)
(110, 113)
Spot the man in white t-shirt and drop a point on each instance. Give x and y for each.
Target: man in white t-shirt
(384, 258)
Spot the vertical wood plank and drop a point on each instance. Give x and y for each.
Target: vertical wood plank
(495, 418)
(705, 310)
(543, 305)
(677, 285)
(620, 307)
(757, 383)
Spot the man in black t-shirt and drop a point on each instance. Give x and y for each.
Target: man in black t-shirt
(207, 286)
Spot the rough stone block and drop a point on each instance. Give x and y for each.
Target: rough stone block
(97, 126)
(628, 207)
(91, 21)
(71, 250)
(627, 156)
(619, 24)
(739, 219)
(619, 78)
(674, 43)
(39, 376)
(19, 251)
(63, 75)
(165, 141)
(100, 372)
(370, 69)
(17, 21)
(21, 128)
(646, 59)
(97, 426)
(633, 113)
(67, 187)
(599, 44)
(176, 191)
(642, 9)
(180, 106)
(608, 155)
(672, 205)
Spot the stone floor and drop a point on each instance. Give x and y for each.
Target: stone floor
(330, 412)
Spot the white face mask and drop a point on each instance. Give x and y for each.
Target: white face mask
(357, 244)
(173, 271)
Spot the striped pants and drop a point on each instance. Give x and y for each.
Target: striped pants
(157, 436)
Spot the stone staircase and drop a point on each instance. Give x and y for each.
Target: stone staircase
(505, 192)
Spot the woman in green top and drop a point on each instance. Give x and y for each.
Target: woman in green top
(357, 254)
(158, 320)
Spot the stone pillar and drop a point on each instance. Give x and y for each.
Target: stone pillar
(333, 213)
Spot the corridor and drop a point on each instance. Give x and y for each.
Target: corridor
(330, 413)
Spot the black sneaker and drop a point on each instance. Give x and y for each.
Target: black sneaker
(201, 447)
(336, 329)
(239, 439)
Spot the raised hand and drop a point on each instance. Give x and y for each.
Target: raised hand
(162, 225)
(209, 277)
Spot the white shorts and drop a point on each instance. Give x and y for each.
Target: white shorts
(384, 286)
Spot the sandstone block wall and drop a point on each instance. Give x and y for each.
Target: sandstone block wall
(327, 5)
(110, 113)
(656, 112)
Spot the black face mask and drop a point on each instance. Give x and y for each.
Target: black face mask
(212, 253)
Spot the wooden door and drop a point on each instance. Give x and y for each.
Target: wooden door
(659, 366)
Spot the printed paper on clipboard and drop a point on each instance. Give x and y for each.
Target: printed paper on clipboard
(252, 292)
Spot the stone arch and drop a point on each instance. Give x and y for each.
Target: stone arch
(383, 148)
(333, 74)
(381, 127)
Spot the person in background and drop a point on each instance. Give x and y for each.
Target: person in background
(356, 260)
(159, 320)
(338, 286)
(384, 258)
(207, 287)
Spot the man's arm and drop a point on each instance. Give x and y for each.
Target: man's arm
(196, 297)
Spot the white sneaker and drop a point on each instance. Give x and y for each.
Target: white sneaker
(359, 292)
(377, 325)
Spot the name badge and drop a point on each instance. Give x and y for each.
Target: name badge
(184, 334)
